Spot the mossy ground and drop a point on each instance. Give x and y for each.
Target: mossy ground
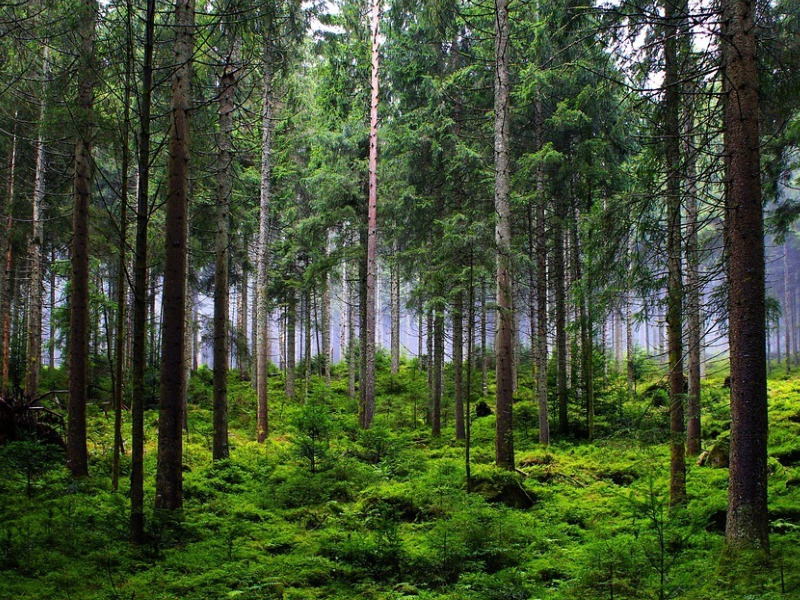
(324, 510)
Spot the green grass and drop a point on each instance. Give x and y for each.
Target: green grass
(386, 513)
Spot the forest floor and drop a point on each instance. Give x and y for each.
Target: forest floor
(325, 510)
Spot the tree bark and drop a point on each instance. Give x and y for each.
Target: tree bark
(674, 14)
(7, 283)
(372, 223)
(262, 299)
(227, 105)
(169, 478)
(561, 321)
(140, 287)
(747, 524)
(458, 363)
(504, 436)
(395, 309)
(77, 459)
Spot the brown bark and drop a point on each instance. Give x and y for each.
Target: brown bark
(561, 320)
(262, 299)
(458, 363)
(438, 363)
(77, 459)
(169, 478)
(372, 222)
(227, 105)
(747, 524)
(7, 286)
(674, 13)
(395, 310)
(504, 436)
(140, 287)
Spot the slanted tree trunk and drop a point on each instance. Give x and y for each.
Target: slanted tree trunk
(504, 435)
(169, 478)
(77, 459)
(372, 224)
(140, 287)
(747, 524)
(227, 105)
(262, 299)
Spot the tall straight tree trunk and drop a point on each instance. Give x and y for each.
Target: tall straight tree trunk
(458, 362)
(77, 459)
(372, 223)
(438, 363)
(262, 299)
(788, 308)
(169, 478)
(51, 334)
(326, 350)
(291, 339)
(395, 309)
(504, 435)
(242, 350)
(351, 334)
(561, 321)
(484, 355)
(34, 354)
(693, 434)
(140, 287)
(227, 105)
(747, 524)
(541, 315)
(122, 288)
(674, 15)
(7, 286)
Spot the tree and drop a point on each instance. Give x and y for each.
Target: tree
(504, 437)
(77, 459)
(747, 522)
(169, 480)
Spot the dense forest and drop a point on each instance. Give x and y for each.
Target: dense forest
(443, 299)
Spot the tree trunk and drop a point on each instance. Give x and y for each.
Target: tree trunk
(351, 334)
(561, 321)
(372, 223)
(77, 459)
(438, 362)
(34, 354)
(227, 105)
(5, 304)
(484, 355)
(788, 308)
(291, 338)
(325, 350)
(395, 309)
(169, 479)
(51, 333)
(262, 299)
(747, 524)
(504, 436)
(674, 15)
(140, 288)
(458, 362)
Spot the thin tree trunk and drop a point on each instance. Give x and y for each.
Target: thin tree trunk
(438, 362)
(7, 287)
(484, 355)
(262, 375)
(169, 479)
(227, 105)
(77, 458)
(674, 15)
(51, 342)
(747, 524)
(458, 363)
(34, 354)
(291, 338)
(351, 334)
(140, 288)
(788, 308)
(561, 322)
(372, 223)
(325, 350)
(395, 309)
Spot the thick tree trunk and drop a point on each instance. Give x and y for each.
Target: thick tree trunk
(674, 15)
(458, 363)
(77, 459)
(504, 435)
(262, 299)
(747, 524)
(140, 288)
(227, 105)
(372, 223)
(169, 479)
